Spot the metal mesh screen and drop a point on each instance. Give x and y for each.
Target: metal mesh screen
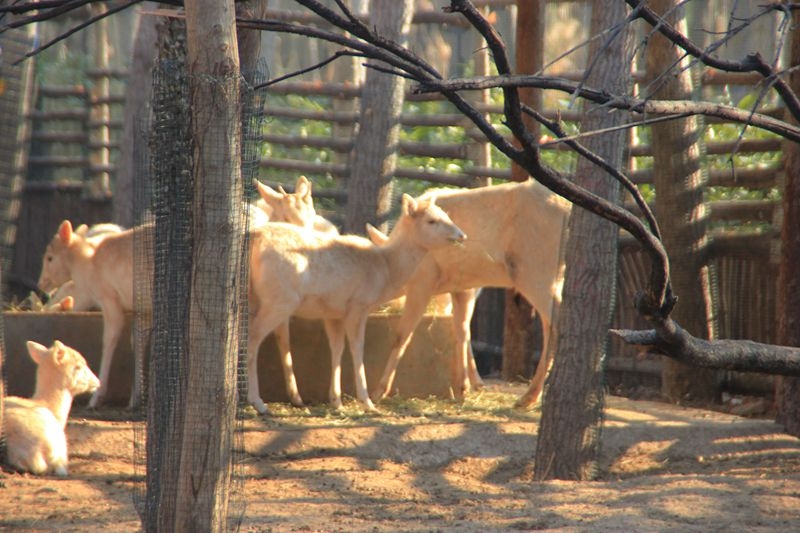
(2, 378)
(163, 253)
(15, 94)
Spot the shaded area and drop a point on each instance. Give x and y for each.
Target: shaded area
(448, 467)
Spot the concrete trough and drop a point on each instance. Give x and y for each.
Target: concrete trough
(423, 372)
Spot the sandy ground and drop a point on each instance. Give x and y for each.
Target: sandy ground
(452, 468)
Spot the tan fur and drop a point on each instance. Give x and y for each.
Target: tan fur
(99, 268)
(300, 272)
(35, 426)
(68, 297)
(105, 273)
(296, 208)
(515, 233)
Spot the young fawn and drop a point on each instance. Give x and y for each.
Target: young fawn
(35, 437)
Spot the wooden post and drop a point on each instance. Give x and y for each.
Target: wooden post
(520, 332)
(680, 181)
(100, 111)
(789, 278)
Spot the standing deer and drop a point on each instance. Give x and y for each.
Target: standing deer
(515, 232)
(295, 271)
(81, 300)
(105, 273)
(101, 270)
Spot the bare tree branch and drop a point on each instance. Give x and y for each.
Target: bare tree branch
(679, 108)
(738, 355)
(753, 62)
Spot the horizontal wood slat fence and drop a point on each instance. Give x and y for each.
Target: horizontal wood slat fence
(61, 184)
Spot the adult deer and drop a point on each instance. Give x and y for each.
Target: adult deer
(295, 271)
(515, 232)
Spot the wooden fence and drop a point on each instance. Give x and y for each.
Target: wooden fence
(741, 260)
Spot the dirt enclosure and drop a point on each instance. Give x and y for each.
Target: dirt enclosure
(442, 466)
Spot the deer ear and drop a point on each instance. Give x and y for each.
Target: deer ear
(36, 351)
(376, 235)
(267, 193)
(409, 205)
(59, 351)
(303, 188)
(65, 232)
(82, 230)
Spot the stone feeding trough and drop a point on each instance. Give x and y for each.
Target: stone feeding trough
(423, 372)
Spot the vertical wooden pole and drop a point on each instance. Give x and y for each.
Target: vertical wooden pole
(100, 112)
(520, 333)
(789, 277)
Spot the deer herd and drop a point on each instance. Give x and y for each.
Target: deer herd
(444, 242)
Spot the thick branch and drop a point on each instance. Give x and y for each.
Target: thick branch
(739, 355)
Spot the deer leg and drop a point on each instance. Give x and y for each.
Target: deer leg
(113, 321)
(412, 314)
(463, 370)
(534, 392)
(282, 338)
(261, 324)
(334, 329)
(356, 330)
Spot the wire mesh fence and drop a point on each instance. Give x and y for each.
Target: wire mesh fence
(163, 255)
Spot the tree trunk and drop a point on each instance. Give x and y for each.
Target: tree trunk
(213, 59)
(138, 91)
(374, 155)
(789, 272)
(170, 141)
(249, 41)
(3, 452)
(520, 333)
(679, 184)
(569, 433)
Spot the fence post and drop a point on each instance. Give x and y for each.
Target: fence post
(99, 111)
(15, 102)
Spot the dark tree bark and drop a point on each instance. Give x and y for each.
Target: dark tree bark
(789, 270)
(249, 41)
(679, 182)
(374, 155)
(520, 333)
(569, 433)
(217, 251)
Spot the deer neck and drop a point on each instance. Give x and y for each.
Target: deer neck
(58, 400)
(402, 255)
(79, 257)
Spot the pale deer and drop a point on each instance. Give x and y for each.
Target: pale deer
(515, 232)
(35, 427)
(295, 271)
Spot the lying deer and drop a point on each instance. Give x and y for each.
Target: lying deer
(515, 232)
(36, 441)
(295, 271)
